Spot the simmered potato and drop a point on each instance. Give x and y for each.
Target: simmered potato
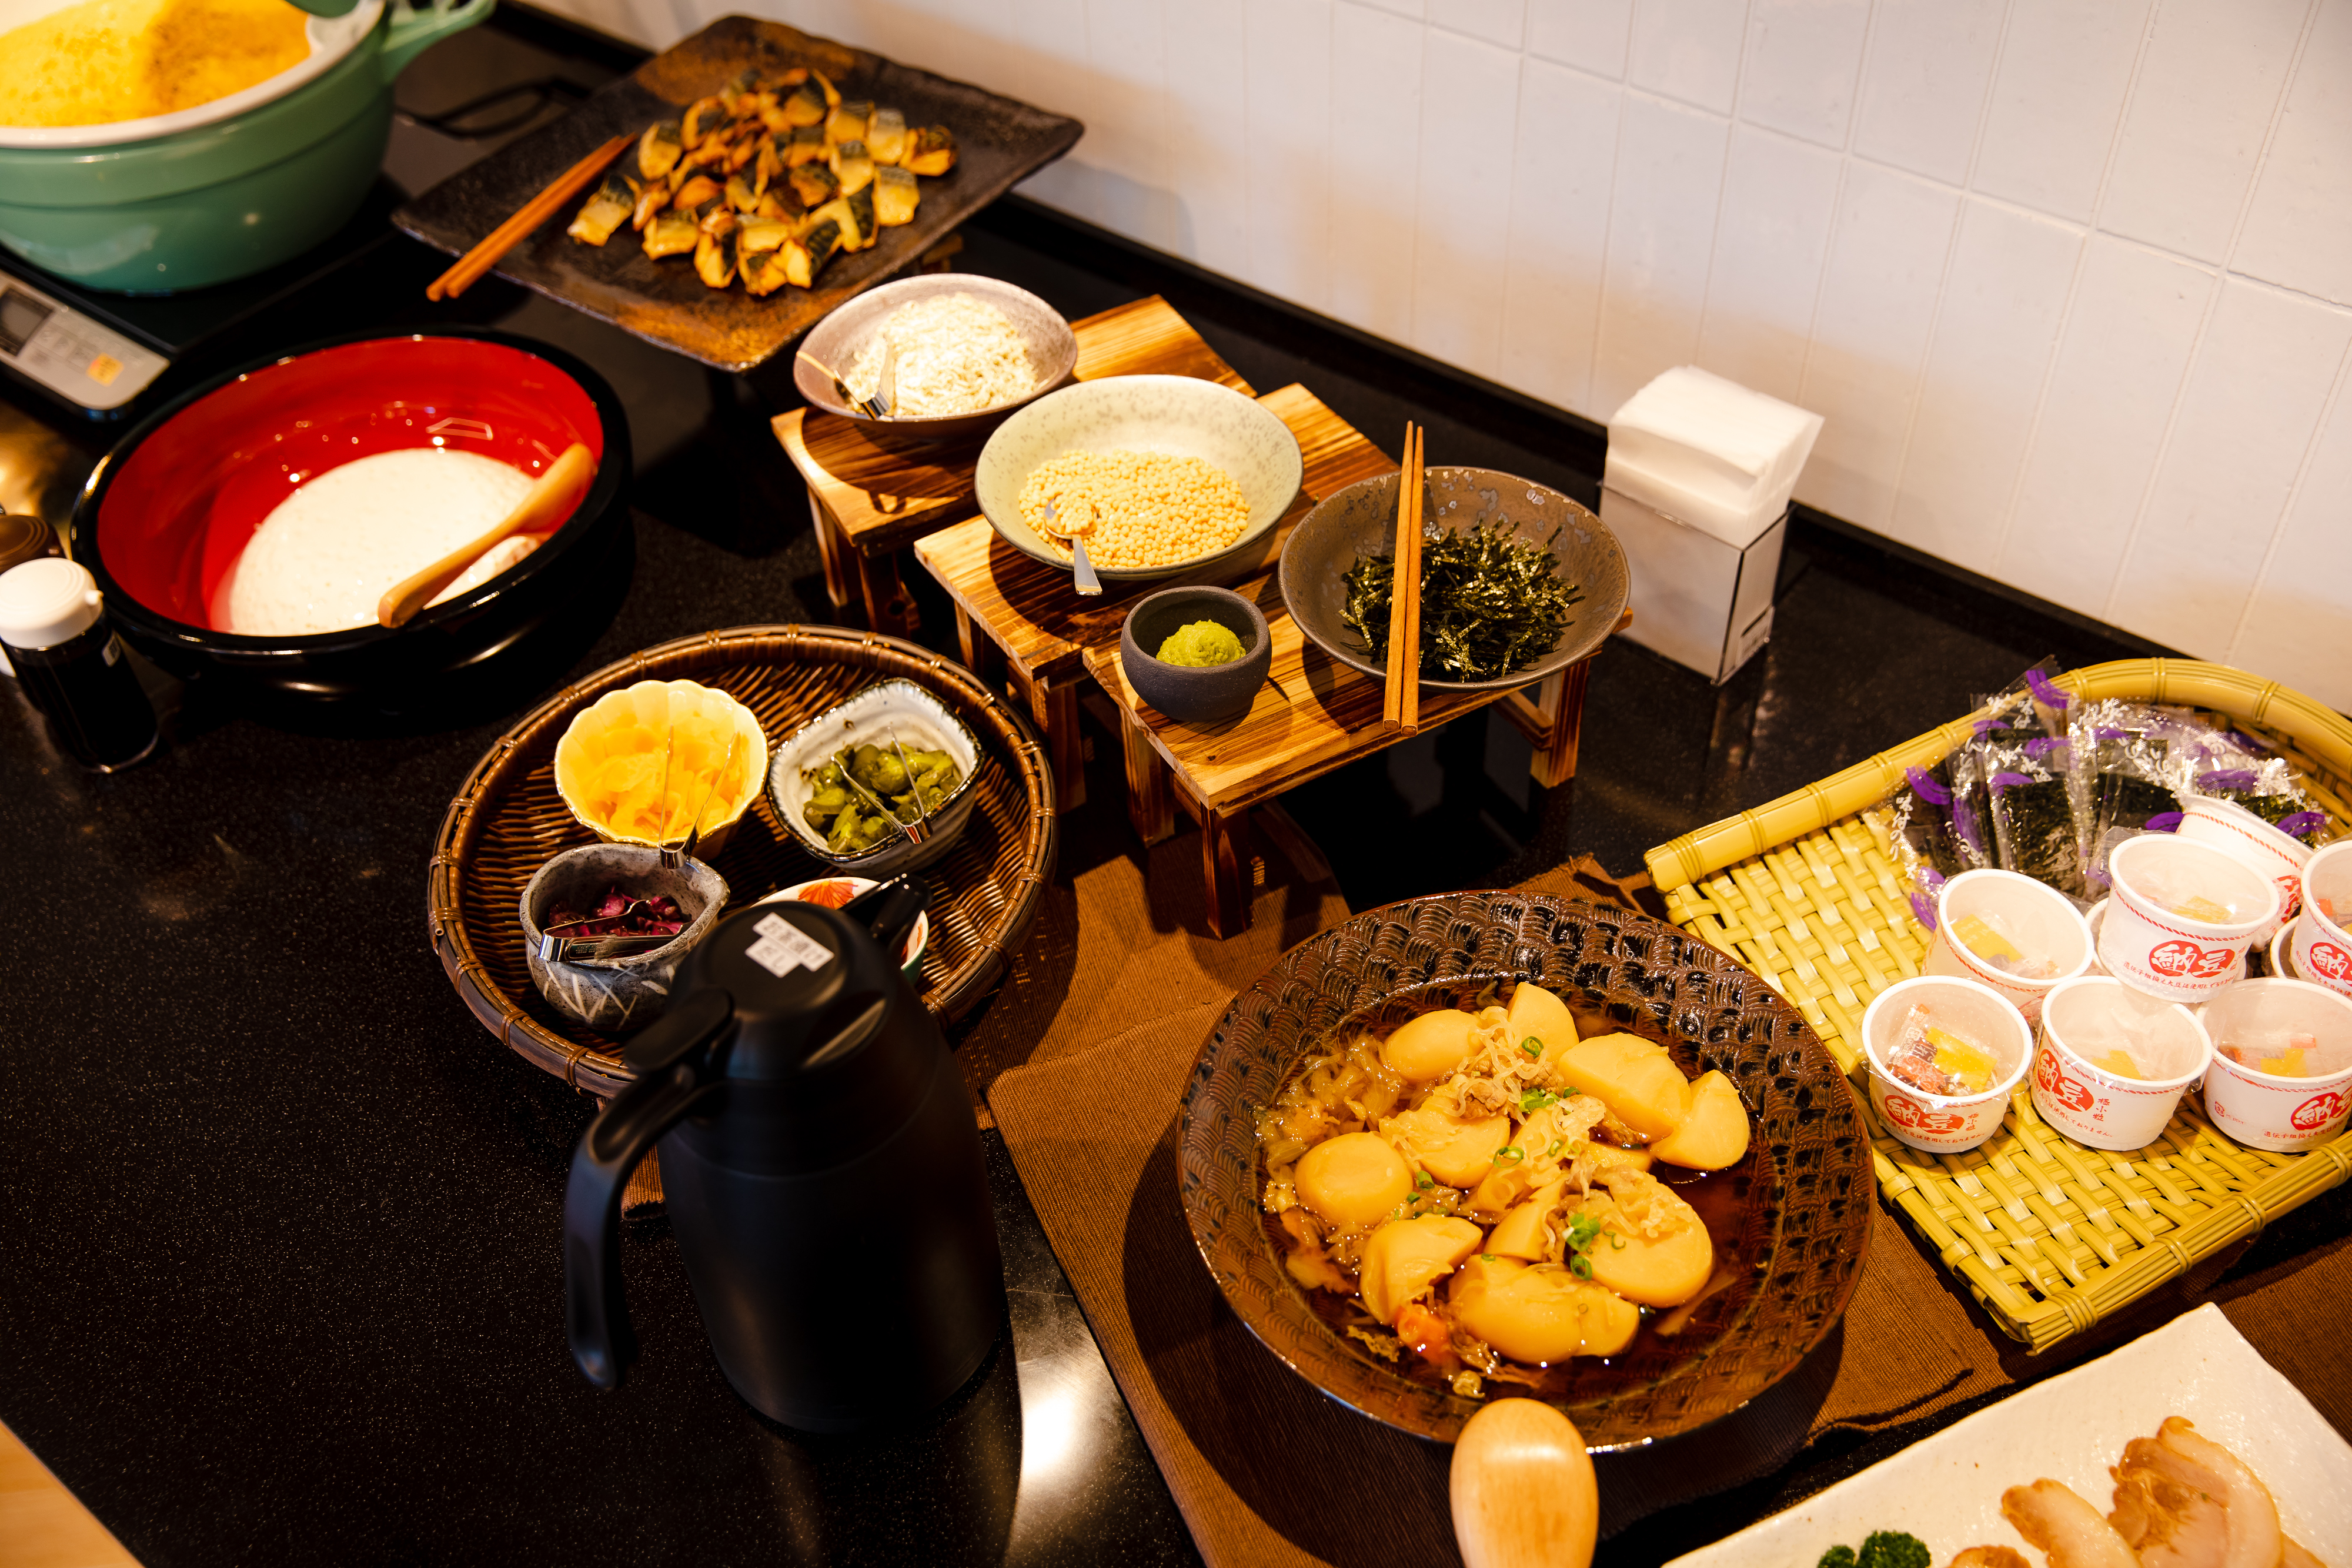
(1428, 1048)
(1539, 1313)
(1664, 1270)
(1715, 1133)
(1457, 1152)
(1404, 1256)
(1353, 1180)
(1521, 1234)
(1537, 1014)
(1635, 1079)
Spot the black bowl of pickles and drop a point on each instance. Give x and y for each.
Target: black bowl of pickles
(881, 784)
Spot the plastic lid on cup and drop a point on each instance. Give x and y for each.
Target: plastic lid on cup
(47, 601)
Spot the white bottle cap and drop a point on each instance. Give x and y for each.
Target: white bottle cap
(48, 601)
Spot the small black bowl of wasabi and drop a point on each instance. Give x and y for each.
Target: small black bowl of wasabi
(1197, 654)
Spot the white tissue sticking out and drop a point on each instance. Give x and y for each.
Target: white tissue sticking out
(1709, 452)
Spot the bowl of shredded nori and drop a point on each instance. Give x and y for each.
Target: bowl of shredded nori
(1516, 579)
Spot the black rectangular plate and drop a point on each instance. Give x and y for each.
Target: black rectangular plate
(999, 142)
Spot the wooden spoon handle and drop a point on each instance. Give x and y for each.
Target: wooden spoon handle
(566, 480)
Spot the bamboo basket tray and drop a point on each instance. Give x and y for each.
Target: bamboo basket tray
(507, 820)
(2050, 1235)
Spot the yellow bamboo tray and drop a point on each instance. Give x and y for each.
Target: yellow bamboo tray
(2049, 1235)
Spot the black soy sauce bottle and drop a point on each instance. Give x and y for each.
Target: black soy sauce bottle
(72, 665)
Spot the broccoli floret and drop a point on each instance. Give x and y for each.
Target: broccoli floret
(1837, 1557)
(1892, 1549)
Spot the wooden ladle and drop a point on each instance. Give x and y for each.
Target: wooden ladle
(557, 490)
(1523, 1489)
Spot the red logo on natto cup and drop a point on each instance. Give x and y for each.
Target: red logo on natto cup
(1908, 1114)
(2317, 1112)
(2058, 1086)
(2187, 961)
(2329, 962)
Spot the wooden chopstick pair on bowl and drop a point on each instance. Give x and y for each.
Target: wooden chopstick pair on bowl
(1401, 705)
(469, 267)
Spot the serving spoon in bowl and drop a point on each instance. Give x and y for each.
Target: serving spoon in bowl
(553, 494)
(1081, 569)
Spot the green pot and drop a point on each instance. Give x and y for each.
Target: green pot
(225, 200)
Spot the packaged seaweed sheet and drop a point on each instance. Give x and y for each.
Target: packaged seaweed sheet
(2121, 760)
(2229, 764)
(2033, 813)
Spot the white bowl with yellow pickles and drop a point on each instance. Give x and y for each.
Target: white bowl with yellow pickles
(651, 762)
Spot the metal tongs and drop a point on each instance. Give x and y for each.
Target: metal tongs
(920, 828)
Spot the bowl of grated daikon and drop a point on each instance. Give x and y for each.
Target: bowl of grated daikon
(959, 352)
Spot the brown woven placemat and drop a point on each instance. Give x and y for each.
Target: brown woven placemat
(1268, 1471)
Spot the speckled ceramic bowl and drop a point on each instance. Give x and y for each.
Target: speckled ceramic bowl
(874, 715)
(1361, 520)
(1180, 416)
(841, 336)
(1192, 693)
(616, 996)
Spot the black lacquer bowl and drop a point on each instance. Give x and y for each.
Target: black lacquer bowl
(1805, 1218)
(165, 515)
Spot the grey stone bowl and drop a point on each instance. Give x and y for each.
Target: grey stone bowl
(1361, 520)
(1174, 416)
(840, 337)
(616, 996)
(1186, 693)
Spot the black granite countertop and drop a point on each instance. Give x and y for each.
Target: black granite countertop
(279, 1258)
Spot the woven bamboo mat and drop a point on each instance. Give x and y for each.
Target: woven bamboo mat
(2049, 1235)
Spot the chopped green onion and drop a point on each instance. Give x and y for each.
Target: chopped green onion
(1532, 1046)
(1580, 1266)
(1510, 1152)
(1534, 1099)
(1486, 1258)
(1424, 1181)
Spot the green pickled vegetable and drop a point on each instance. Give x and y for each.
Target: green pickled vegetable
(1489, 604)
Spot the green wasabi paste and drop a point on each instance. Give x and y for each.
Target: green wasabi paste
(1202, 643)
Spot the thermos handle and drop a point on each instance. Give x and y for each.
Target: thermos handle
(672, 1058)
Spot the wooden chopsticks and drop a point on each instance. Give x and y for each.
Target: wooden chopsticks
(1402, 704)
(469, 267)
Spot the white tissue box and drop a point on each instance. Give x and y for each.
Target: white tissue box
(1698, 600)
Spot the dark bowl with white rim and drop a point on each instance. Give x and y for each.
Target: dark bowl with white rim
(841, 336)
(1360, 520)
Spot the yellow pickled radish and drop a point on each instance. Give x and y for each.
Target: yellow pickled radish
(2118, 1062)
(639, 764)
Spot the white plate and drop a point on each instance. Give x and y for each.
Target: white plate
(1946, 1490)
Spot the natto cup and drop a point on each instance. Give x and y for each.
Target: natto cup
(1945, 1124)
(2180, 959)
(2097, 1105)
(2239, 834)
(2322, 946)
(2044, 920)
(2267, 1110)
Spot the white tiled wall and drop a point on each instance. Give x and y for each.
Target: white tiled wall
(2070, 279)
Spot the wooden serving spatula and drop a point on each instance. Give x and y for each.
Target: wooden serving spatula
(1523, 1490)
(557, 490)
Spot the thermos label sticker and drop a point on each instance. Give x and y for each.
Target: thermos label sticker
(783, 947)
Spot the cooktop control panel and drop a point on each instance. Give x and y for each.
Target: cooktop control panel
(88, 364)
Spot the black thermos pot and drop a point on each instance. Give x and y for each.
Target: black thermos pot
(822, 1170)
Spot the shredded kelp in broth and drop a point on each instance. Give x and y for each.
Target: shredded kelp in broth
(1489, 604)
